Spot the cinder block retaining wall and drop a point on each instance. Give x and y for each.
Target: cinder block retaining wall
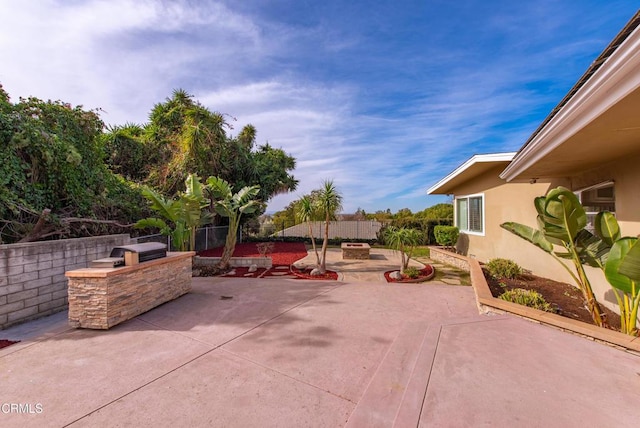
(450, 258)
(32, 280)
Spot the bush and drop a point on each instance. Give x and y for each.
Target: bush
(412, 272)
(529, 298)
(446, 236)
(503, 268)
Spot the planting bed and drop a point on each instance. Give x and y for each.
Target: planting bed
(283, 255)
(425, 275)
(566, 298)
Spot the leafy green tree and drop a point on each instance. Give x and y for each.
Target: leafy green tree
(183, 135)
(233, 206)
(180, 217)
(329, 203)
(436, 212)
(52, 161)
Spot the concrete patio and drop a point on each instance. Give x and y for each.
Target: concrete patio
(293, 353)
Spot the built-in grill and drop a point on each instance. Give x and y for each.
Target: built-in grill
(146, 251)
(132, 254)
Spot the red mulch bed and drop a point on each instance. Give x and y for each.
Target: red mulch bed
(306, 274)
(284, 253)
(4, 343)
(424, 274)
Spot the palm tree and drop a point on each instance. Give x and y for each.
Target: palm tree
(329, 203)
(232, 205)
(404, 240)
(305, 212)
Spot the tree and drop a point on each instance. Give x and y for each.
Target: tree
(329, 203)
(404, 240)
(183, 135)
(231, 205)
(184, 215)
(306, 212)
(53, 174)
(436, 212)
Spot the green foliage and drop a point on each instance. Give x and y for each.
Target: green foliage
(51, 157)
(403, 240)
(436, 212)
(561, 221)
(446, 236)
(180, 217)
(183, 135)
(412, 272)
(328, 202)
(530, 298)
(503, 268)
(233, 206)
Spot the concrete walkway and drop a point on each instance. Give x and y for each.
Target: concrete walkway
(293, 353)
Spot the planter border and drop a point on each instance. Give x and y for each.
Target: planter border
(489, 304)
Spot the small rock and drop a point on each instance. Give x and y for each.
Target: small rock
(395, 275)
(315, 272)
(253, 268)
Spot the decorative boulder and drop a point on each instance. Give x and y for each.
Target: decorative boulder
(316, 272)
(395, 275)
(253, 268)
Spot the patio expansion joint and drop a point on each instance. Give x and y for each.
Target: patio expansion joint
(256, 363)
(197, 357)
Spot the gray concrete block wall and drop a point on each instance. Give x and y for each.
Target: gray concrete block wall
(32, 280)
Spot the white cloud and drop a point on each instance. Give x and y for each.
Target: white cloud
(383, 114)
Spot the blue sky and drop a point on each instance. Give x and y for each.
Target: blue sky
(383, 97)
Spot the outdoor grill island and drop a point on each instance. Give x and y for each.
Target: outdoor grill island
(134, 279)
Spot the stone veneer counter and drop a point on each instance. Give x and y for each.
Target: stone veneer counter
(100, 298)
(355, 250)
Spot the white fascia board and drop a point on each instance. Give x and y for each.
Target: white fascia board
(615, 79)
(475, 159)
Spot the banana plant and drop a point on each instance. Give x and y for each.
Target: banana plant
(561, 221)
(232, 205)
(621, 269)
(180, 217)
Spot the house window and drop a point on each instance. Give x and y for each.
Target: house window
(598, 198)
(470, 214)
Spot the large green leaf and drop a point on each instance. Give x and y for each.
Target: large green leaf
(607, 227)
(530, 234)
(620, 251)
(591, 249)
(151, 222)
(630, 264)
(563, 215)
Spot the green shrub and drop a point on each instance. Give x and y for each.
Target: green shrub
(412, 272)
(446, 236)
(530, 298)
(503, 268)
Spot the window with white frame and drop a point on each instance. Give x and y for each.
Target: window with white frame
(470, 213)
(598, 198)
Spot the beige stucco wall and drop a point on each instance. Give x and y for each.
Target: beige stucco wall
(514, 202)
